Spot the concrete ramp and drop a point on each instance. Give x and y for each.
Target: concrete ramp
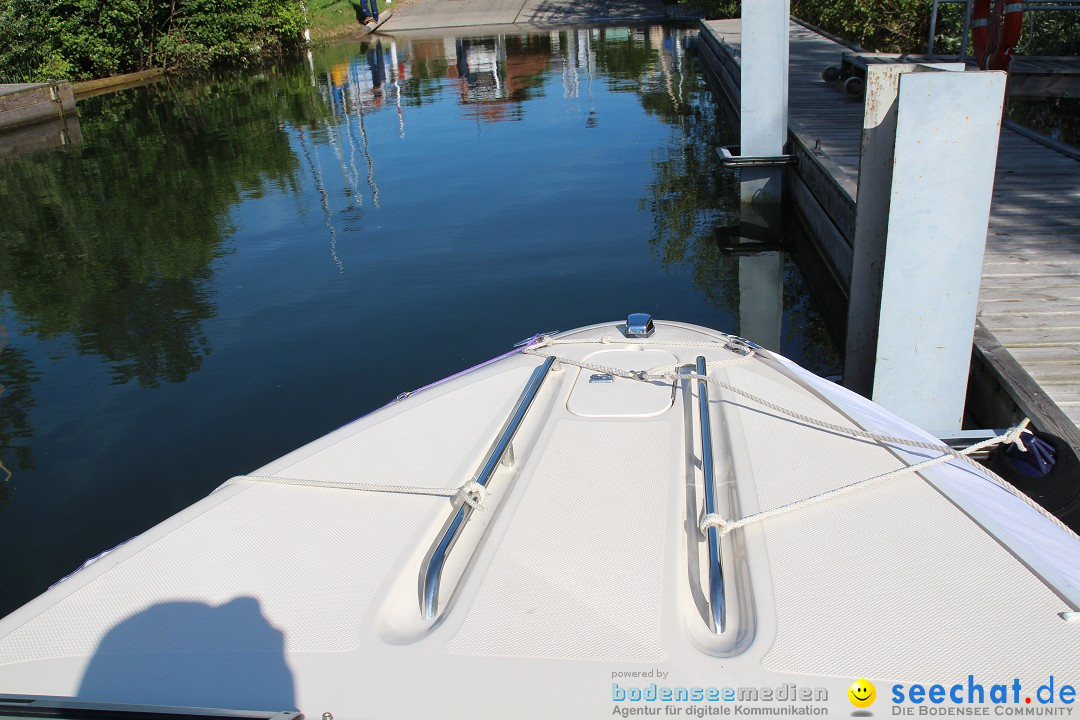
(432, 14)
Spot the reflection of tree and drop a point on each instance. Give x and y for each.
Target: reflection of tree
(16, 375)
(113, 241)
(805, 329)
(689, 196)
(626, 56)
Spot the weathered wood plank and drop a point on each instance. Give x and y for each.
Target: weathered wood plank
(1050, 376)
(90, 88)
(1029, 397)
(1067, 356)
(1038, 337)
(27, 104)
(999, 322)
(993, 296)
(1029, 308)
(1021, 283)
(996, 261)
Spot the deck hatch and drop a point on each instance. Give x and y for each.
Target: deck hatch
(604, 395)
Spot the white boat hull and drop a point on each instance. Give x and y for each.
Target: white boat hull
(586, 575)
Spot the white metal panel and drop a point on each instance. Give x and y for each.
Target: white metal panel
(947, 132)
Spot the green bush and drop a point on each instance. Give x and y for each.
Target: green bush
(79, 39)
(903, 25)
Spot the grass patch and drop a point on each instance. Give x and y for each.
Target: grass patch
(335, 18)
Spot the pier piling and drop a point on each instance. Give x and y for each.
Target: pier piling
(764, 101)
(929, 152)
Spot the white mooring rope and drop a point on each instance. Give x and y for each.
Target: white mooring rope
(471, 493)
(744, 353)
(724, 526)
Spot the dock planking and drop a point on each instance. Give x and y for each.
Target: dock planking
(1029, 312)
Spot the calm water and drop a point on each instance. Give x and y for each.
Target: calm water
(228, 267)
(1057, 117)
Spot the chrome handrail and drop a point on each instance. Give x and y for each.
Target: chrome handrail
(431, 576)
(716, 571)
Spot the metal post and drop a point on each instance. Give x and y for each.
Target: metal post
(764, 97)
(933, 28)
(966, 32)
(929, 152)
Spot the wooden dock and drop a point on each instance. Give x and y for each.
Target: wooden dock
(1028, 337)
(113, 83)
(27, 103)
(1045, 77)
(1030, 76)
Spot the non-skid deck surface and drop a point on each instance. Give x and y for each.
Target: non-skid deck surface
(1030, 298)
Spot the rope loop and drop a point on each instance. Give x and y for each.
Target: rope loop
(712, 520)
(472, 494)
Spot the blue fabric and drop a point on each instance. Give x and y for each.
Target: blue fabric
(370, 8)
(1039, 459)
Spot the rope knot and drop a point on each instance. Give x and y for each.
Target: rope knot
(1014, 435)
(472, 494)
(712, 520)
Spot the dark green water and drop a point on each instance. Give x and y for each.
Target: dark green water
(228, 267)
(1057, 117)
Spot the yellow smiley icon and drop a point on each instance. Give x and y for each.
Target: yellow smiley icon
(862, 693)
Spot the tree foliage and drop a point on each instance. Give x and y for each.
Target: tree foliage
(79, 39)
(903, 25)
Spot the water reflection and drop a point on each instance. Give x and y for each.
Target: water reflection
(16, 376)
(202, 284)
(40, 137)
(1057, 117)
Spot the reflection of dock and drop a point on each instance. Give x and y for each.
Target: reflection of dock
(55, 133)
(42, 116)
(1028, 340)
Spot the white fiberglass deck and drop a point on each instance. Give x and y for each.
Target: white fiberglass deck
(585, 563)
